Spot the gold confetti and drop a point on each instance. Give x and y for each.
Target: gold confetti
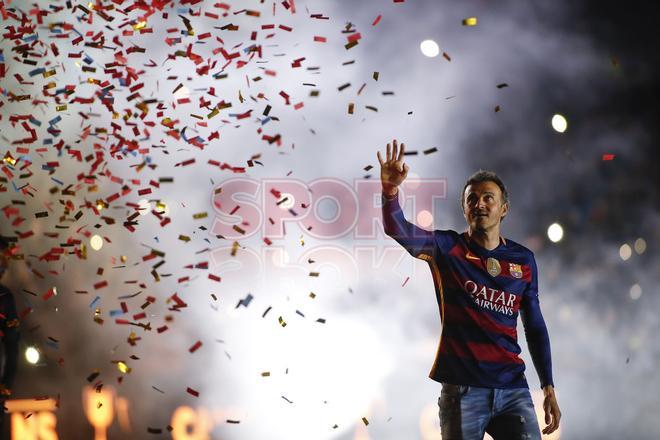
(234, 248)
(9, 159)
(282, 323)
(470, 21)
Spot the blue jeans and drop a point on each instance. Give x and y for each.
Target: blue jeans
(467, 412)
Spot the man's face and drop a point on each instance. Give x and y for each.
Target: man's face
(482, 206)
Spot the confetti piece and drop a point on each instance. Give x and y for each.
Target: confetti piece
(502, 85)
(365, 421)
(377, 20)
(94, 302)
(470, 21)
(245, 301)
(281, 321)
(93, 376)
(192, 392)
(405, 282)
(608, 156)
(195, 346)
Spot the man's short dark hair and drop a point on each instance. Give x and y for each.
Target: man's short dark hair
(486, 176)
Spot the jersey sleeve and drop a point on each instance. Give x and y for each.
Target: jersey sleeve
(414, 239)
(536, 331)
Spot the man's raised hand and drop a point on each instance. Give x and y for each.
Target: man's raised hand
(392, 171)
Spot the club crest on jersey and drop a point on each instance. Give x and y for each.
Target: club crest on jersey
(515, 270)
(493, 266)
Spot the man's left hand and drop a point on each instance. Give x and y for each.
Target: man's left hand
(551, 408)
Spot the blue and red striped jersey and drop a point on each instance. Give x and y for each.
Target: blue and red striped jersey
(479, 293)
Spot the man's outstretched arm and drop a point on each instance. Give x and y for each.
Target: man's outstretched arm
(393, 172)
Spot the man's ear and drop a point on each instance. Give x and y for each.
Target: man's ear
(505, 210)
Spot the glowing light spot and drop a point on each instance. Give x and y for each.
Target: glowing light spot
(640, 246)
(96, 242)
(635, 291)
(32, 355)
(559, 123)
(429, 48)
(424, 219)
(625, 251)
(555, 232)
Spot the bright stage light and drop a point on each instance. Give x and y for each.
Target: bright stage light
(559, 123)
(424, 219)
(96, 242)
(332, 373)
(32, 355)
(429, 48)
(625, 251)
(555, 232)
(635, 291)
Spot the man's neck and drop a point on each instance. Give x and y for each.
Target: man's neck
(487, 239)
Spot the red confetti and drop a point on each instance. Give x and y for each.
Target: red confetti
(195, 346)
(192, 392)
